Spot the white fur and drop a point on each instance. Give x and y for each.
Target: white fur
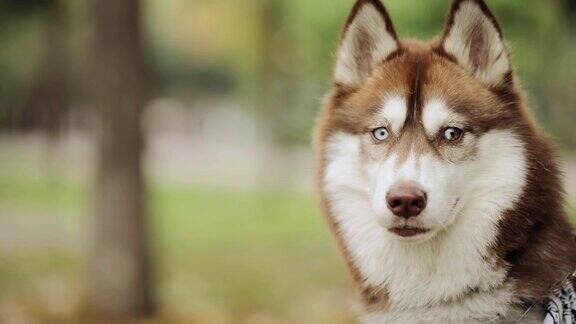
(468, 18)
(484, 303)
(437, 115)
(426, 278)
(393, 112)
(483, 306)
(368, 20)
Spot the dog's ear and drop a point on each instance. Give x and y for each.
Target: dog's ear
(368, 39)
(473, 37)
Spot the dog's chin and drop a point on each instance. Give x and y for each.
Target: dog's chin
(410, 231)
(412, 235)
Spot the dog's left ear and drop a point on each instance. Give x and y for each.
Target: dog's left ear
(474, 38)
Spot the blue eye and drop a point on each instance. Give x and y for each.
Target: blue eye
(380, 134)
(452, 134)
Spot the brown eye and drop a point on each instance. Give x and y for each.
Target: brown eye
(452, 134)
(380, 134)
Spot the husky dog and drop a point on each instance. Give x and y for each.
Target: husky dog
(443, 195)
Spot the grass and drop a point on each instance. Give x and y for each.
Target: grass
(221, 256)
(250, 255)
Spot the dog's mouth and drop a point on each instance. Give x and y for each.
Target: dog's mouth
(408, 231)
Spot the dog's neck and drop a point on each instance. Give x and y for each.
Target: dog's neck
(536, 239)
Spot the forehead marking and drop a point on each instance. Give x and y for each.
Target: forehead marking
(394, 111)
(436, 114)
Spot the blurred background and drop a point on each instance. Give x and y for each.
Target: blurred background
(155, 163)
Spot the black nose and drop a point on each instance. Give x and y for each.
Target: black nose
(406, 200)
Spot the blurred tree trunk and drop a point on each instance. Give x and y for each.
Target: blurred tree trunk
(120, 280)
(278, 89)
(46, 105)
(270, 15)
(276, 93)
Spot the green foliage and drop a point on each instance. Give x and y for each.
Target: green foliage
(276, 56)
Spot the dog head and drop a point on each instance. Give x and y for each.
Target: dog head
(419, 132)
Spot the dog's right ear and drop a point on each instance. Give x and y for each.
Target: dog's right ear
(368, 39)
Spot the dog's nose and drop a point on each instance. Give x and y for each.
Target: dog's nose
(406, 200)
